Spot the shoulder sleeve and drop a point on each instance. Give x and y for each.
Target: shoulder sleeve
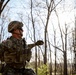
(1, 52)
(7, 44)
(3, 48)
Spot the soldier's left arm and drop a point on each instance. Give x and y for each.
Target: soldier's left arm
(39, 42)
(30, 46)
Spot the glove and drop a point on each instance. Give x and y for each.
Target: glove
(39, 42)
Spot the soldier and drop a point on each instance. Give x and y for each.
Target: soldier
(15, 52)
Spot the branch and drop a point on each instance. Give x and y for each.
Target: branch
(58, 48)
(4, 7)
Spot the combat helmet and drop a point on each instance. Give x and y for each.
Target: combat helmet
(14, 25)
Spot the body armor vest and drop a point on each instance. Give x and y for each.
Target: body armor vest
(16, 51)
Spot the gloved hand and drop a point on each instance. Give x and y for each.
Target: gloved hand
(39, 42)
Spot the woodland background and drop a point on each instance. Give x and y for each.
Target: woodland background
(54, 22)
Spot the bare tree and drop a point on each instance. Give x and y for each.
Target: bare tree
(34, 38)
(55, 50)
(49, 10)
(2, 5)
(65, 53)
(64, 46)
(50, 64)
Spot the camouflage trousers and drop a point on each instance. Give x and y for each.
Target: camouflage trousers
(15, 71)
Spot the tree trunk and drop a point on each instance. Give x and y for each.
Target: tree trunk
(34, 39)
(65, 53)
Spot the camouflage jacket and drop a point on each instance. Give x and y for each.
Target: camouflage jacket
(14, 50)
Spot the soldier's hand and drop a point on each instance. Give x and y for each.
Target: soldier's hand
(39, 42)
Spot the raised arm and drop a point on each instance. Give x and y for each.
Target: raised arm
(30, 46)
(39, 42)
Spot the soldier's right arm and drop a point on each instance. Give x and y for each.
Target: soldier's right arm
(1, 52)
(1, 48)
(6, 46)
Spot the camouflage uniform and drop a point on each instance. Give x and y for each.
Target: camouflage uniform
(15, 52)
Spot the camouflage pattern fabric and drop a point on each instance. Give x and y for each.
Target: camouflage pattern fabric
(14, 71)
(14, 25)
(14, 51)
